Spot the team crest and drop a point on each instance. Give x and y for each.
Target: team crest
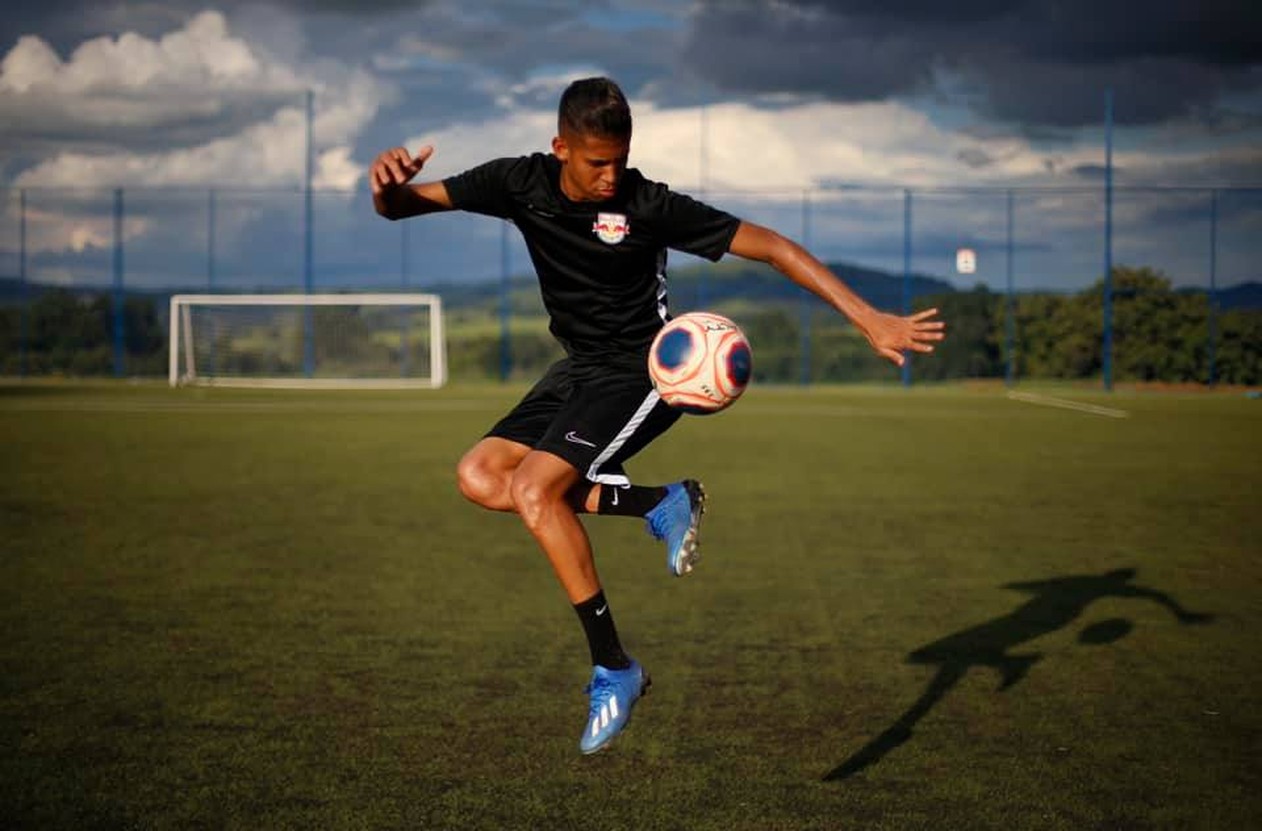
(611, 228)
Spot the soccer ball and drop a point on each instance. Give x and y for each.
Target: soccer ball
(700, 362)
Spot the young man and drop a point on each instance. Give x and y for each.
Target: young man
(597, 233)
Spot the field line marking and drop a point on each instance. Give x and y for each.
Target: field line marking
(1065, 404)
(70, 405)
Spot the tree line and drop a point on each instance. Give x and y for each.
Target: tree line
(72, 333)
(1159, 334)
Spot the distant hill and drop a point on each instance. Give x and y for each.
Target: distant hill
(718, 283)
(731, 280)
(1241, 296)
(715, 285)
(753, 282)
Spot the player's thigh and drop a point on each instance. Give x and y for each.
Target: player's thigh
(531, 417)
(540, 479)
(495, 455)
(606, 421)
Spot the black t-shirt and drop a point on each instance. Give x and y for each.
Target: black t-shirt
(601, 265)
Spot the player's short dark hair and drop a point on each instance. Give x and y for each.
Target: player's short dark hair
(595, 107)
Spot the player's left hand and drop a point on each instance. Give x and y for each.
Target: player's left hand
(891, 335)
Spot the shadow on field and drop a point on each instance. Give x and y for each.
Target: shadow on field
(1055, 604)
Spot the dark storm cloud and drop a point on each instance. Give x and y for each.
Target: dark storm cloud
(975, 157)
(1033, 62)
(157, 122)
(757, 48)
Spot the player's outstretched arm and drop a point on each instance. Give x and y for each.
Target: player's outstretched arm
(392, 194)
(888, 334)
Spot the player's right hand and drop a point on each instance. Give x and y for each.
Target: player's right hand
(396, 167)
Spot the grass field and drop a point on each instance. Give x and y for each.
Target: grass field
(258, 610)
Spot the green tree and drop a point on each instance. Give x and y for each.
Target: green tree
(1238, 352)
(1159, 334)
(972, 348)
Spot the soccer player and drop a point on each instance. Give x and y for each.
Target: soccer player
(597, 232)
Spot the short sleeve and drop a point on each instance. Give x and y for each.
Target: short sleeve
(483, 189)
(689, 225)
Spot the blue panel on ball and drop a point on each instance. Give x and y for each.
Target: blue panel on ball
(674, 349)
(739, 365)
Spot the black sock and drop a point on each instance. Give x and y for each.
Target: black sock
(629, 500)
(602, 636)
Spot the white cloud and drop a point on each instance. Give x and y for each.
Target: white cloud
(197, 106)
(782, 150)
(264, 155)
(132, 82)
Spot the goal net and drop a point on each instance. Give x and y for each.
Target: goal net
(308, 340)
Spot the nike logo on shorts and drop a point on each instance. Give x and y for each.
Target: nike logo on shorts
(573, 438)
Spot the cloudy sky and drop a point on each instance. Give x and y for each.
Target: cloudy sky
(766, 98)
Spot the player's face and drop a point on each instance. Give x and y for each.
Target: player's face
(591, 166)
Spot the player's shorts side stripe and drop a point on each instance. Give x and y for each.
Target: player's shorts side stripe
(662, 303)
(628, 430)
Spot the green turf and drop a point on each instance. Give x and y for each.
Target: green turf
(271, 610)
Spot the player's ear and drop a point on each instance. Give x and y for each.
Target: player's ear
(560, 149)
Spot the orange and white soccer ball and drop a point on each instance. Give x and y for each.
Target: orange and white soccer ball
(700, 362)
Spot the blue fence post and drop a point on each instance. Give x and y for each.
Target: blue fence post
(1010, 323)
(308, 277)
(1107, 358)
(804, 301)
(405, 324)
(211, 210)
(24, 333)
(120, 334)
(1213, 285)
(506, 346)
(403, 253)
(702, 300)
(906, 373)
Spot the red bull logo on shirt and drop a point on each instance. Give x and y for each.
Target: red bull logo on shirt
(611, 228)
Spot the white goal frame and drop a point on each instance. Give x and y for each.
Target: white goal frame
(182, 368)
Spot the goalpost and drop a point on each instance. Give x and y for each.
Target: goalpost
(329, 341)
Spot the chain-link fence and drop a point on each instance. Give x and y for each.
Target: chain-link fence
(85, 276)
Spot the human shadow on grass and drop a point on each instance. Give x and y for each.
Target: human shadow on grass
(1055, 604)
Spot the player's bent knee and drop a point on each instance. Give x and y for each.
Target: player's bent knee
(483, 484)
(532, 499)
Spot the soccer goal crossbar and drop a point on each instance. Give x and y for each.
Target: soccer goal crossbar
(330, 341)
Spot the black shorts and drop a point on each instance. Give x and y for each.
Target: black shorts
(595, 418)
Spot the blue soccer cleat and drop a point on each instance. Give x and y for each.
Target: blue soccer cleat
(613, 693)
(677, 520)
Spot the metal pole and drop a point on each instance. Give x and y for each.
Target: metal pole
(210, 273)
(703, 158)
(506, 347)
(308, 278)
(403, 253)
(906, 374)
(405, 347)
(1213, 285)
(26, 302)
(1108, 241)
(703, 180)
(1010, 323)
(119, 330)
(210, 240)
(804, 301)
